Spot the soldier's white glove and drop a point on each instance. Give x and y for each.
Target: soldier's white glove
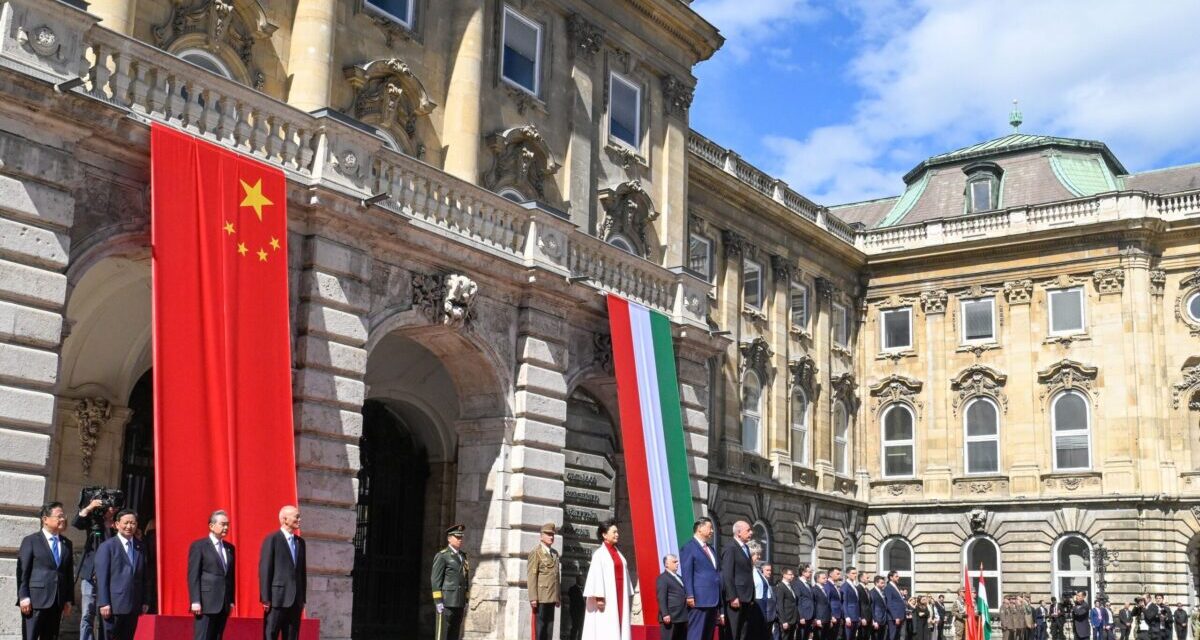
(440, 608)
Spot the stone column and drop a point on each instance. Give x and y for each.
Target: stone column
(584, 41)
(778, 422)
(36, 213)
(1024, 408)
(331, 363)
(310, 58)
(694, 403)
(117, 15)
(729, 310)
(821, 436)
(937, 451)
(461, 130)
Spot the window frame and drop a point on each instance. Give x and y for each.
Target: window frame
(756, 413)
(811, 532)
(1087, 405)
(209, 57)
(842, 469)
(885, 567)
(764, 539)
(709, 256)
(802, 288)
(1057, 574)
(798, 396)
(613, 77)
(1051, 295)
(537, 61)
(1187, 305)
(962, 312)
(968, 438)
(842, 311)
(993, 202)
(621, 242)
(997, 573)
(884, 314)
(885, 444)
(747, 266)
(407, 22)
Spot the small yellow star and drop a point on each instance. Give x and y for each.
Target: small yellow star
(275, 243)
(228, 227)
(262, 255)
(254, 197)
(242, 248)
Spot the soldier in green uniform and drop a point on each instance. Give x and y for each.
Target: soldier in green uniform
(451, 585)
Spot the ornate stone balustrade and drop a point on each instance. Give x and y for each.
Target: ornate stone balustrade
(56, 42)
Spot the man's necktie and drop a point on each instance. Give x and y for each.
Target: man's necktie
(54, 550)
(746, 550)
(221, 555)
(129, 553)
(292, 541)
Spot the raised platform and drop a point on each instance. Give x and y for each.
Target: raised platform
(154, 627)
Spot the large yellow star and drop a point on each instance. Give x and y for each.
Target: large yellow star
(254, 197)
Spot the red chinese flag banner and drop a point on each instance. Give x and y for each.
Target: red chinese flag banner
(222, 356)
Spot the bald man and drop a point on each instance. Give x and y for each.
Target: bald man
(282, 577)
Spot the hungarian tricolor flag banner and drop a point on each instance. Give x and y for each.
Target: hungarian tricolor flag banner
(981, 604)
(660, 493)
(222, 356)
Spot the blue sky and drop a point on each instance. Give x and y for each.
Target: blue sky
(841, 97)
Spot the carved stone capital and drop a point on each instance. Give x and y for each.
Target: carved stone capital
(733, 242)
(804, 375)
(1018, 291)
(585, 38)
(933, 301)
(756, 356)
(782, 269)
(677, 96)
(826, 289)
(1109, 280)
(1158, 282)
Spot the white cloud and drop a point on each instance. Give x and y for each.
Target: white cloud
(748, 23)
(1120, 72)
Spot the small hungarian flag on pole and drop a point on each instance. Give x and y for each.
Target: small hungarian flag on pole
(660, 493)
(985, 616)
(222, 355)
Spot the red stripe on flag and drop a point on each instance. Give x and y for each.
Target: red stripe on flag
(634, 445)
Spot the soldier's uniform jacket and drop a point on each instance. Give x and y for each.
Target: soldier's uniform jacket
(451, 578)
(543, 575)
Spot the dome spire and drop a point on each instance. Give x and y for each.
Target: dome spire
(1014, 117)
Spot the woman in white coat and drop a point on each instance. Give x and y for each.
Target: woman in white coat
(607, 589)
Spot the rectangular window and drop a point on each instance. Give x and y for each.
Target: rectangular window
(700, 256)
(398, 10)
(981, 196)
(799, 306)
(624, 110)
(1066, 311)
(522, 59)
(799, 429)
(897, 329)
(977, 324)
(841, 325)
(752, 293)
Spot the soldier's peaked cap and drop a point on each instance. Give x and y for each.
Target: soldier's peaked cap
(457, 530)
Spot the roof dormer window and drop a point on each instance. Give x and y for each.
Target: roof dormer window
(983, 187)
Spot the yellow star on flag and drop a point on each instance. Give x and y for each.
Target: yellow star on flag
(254, 197)
(262, 255)
(242, 248)
(229, 227)
(275, 243)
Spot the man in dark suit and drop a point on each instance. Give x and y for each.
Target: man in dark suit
(121, 580)
(822, 613)
(701, 581)
(211, 579)
(1180, 617)
(768, 606)
(672, 601)
(785, 595)
(939, 606)
(1154, 616)
(283, 577)
(866, 613)
(879, 611)
(833, 591)
(851, 607)
(1040, 613)
(1079, 617)
(737, 574)
(45, 576)
(805, 603)
(897, 607)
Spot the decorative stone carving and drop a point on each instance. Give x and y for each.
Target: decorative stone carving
(459, 302)
(602, 355)
(1190, 281)
(1109, 280)
(41, 40)
(391, 28)
(522, 98)
(677, 96)
(521, 160)
(845, 389)
(427, 294)
(933, 301)
(978, 519)
(756, 355)
(389, 95)
(896, 489)
(1189, 386)
(585, 37)
(733, 242)
(804, 375)
(979, 380)
(1018, 291)
(1066, 374)
(699, 226)
(228, 31)
(628, 212)
(1158, 282)
(90, 414)
(896, 388)
(825, 288)
(782, 269)
(1196, 512)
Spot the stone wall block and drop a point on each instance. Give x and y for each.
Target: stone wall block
(536, 489)
(327, 523)
(21, 490)
(24, 448)
(541, 434)
(328, 555)
(23, 325)
(536, 405)
(527, 459)
(25, 408)
(35, 202)
(330, 289)
(331, 257)
(544, 381)
(29, 367)
(38, 287)
(322, 386)
(327, 487)
(318, 453)
(332, 356)
(32, 245)
(536, 351)
(336, 325)
(313, 417)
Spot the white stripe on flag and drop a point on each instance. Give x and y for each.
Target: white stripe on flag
(652, 429)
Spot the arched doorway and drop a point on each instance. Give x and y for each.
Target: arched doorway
(391, 496)
(137, 451)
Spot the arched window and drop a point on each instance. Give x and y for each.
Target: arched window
(205, 60)
(983, 552)
(1071, 424)
(849, 552)
(751, 411)
(898, 448)
(841, 439)
(1072, 557)
(620, 242)
(981, 424)
(896, 554)
(808, 547)
(763, 535)
(799, 427)
(508, 193)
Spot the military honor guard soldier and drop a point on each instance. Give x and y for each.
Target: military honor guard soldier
(451, 585)
(544, 570)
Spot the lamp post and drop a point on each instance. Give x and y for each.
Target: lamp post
(1102, 556)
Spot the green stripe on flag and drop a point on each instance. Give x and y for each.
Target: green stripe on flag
(672, 420)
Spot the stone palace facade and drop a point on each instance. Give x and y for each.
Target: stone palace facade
(999, 366)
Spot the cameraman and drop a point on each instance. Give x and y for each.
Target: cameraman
(97, 521)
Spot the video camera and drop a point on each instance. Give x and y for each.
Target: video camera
(109, 499)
